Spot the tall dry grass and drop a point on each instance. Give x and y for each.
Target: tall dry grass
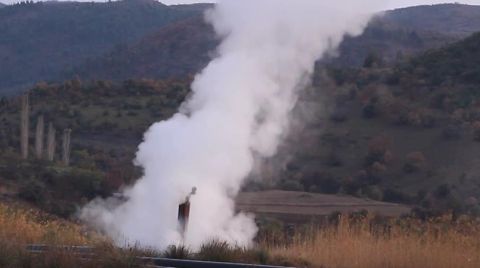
(409, 243)
(347, 243)
(28, 226)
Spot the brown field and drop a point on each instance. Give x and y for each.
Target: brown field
(292, 206)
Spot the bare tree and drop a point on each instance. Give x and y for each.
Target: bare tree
(51, 142)
(24, 125)
(66, 146)
(39, 137)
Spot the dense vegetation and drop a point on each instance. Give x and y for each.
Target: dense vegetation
(407, 133)
(182, 48)
(137, 39)
(453, 65)
(43, 40)
(397, 128)
(386, 133)
(399, 124)
(108, 121)
(177, 50)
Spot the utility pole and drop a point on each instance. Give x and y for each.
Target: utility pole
(51, 142)
(24, 125)
(39, 137)
(66, 146)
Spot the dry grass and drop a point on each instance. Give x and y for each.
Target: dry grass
(407, 243)
(20, 227)
(362, 243)
(27, 226)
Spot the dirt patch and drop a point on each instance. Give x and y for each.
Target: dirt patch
(286, 204)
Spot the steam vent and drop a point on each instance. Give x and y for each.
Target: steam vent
(184, 213)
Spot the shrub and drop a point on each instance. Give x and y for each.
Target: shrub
(33, 191)
(377, 168)
(476, 131)
(442, 191)
(421, 118)
(87, 183)
(132, 113)
(415, 161)
(330, 185)
(452, 132)
(392, 195)
(370, 110)
(373, 60)
(177, 252)
(334, 160)
(378, 150)
(351, 186)
(373, 192)
(292, 185)
(216, 251)
(339, 115)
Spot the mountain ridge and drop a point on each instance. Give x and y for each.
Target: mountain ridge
(386, 35)
(40, 40)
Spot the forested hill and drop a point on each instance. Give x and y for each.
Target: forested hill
(450, 19)
(459, 63)
(177, 50)
(183, 48)
(54, 41)
(405, 32)
(38, 41)
(380, 132)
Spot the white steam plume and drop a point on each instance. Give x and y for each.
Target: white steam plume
(239, 108)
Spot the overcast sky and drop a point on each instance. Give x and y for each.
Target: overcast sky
(392, 3)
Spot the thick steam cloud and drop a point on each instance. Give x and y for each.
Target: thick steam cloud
(239, 110)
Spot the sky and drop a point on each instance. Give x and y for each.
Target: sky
(392, 3)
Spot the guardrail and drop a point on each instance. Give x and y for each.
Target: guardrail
(163, 262)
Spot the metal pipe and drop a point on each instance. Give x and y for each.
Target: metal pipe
(184, 214)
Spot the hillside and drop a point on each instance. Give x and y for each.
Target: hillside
(376, 132)
(454, 64)
(102, 116)
(404, 32)
(145, 39)
(389, 134)
(160, 55)
(177, 50)
(449, 19)
(40, 41)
